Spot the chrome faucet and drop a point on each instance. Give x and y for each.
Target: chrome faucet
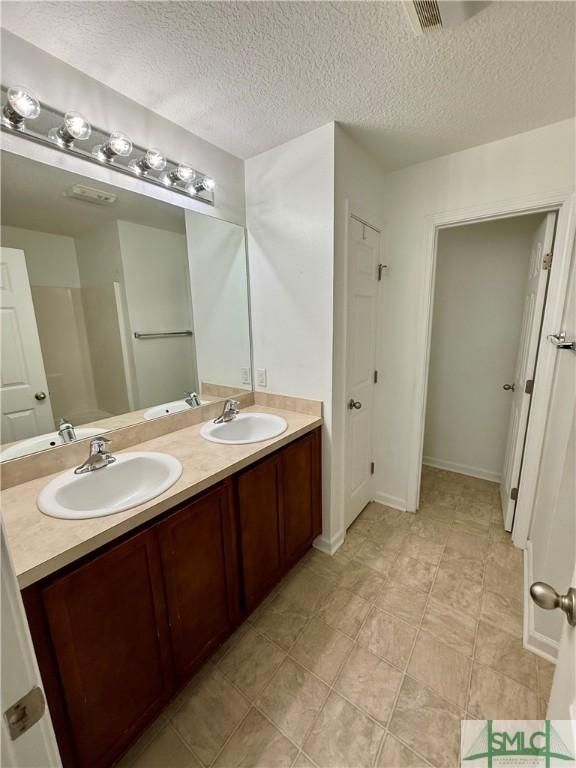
(230, 412)
(99, 457)
(66, 431)
(192, 399)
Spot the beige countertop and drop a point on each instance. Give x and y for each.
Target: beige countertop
(41, 545)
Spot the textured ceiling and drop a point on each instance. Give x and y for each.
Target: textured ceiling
(248, 76)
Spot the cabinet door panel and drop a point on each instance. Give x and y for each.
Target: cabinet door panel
(196, 551)
(261, 529)
(108, 626)
(300, 481)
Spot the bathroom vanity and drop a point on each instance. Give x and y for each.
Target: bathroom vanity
(119, 630)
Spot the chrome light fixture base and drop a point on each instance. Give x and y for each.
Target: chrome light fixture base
(70, 132)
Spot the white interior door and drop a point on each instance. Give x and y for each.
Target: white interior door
(363, 260)
(37, 746)
(525, 365)
(552, 539)
(26, 408)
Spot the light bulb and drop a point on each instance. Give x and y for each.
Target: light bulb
(75, 126)
(21, 105)
(153, 160)
(206, 184)
(183, 173)
(118, 145)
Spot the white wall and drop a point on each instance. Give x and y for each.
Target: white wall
(219, 286)
(156, 286)
(50, 259)
(65, 88)
(481, 273)
(290, 219)
(530, 164)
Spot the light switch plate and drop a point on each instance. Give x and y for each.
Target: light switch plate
(245, 377)
(261, 377)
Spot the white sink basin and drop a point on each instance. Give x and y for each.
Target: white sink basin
(167, 408)
(43, 442)
(133, 479)
(245, 428)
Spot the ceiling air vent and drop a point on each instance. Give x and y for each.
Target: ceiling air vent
(90, 195)
(430, 15)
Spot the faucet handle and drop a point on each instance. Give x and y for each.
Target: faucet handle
(98, 445)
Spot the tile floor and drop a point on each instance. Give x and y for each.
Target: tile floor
(371, 657)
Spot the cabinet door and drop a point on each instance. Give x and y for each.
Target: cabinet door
(199, 563)
(261, 529)
(301, 490)
(109, 631)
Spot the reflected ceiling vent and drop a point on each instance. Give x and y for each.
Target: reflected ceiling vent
(90, 195)
(430, 15)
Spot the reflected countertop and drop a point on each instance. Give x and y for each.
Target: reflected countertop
(41, 545)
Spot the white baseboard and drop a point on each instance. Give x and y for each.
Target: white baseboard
(535, 641)
(462, 469)
(329, 546)
(390, 501)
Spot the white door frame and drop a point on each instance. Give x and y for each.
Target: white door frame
(563, 201)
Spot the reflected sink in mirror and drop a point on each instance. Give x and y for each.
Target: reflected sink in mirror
(43, 442)
(167, 408)
(134, 478)
(245, 428)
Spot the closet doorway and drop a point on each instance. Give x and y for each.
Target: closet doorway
(489, 296)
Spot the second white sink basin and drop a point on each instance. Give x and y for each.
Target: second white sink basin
(133, 479)
(245, 428)
(43, 442)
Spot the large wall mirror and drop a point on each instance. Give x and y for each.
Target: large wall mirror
(115, 308)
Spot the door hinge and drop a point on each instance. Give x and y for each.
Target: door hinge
(22, 715)
(529, 388)
(381, 268)
(375, 377)
(514, 494)
(371, 467)
(547, 261)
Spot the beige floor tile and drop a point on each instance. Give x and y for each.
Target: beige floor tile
(423, 549)
(377, 556)
(165, 750)
(209, 710)
(454, 628)
(345, 611)
(457, 564)
(503, 611)
(362, 580)
(472, 527)
(468, 544)
(458, 592)
(234, 637)
(436, 510)
(327, 565)
(505, 653)
(362, 526)
(322, 649)
(499, 535)
(395, 755)
(481, 514)
(545, 677)
(251, 662)
(402, 601)
(427, 723)
(370, 683)
(342, 737)
(431, 529)
(281, 621)
(387, 637)
(389, 538)
(417, 574)
(292, 700)
(352, 543)
(306, 589)
(495, 697)
(257, 744)
(303, 761)
(441, 668)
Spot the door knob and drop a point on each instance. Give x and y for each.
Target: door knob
(509, 387)
(354, 404)
(546, 597)
(40, 396)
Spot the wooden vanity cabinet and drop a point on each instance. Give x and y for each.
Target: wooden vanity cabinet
(108, 628)
(118, 633)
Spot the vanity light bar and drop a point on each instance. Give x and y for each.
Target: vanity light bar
(72, 132)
